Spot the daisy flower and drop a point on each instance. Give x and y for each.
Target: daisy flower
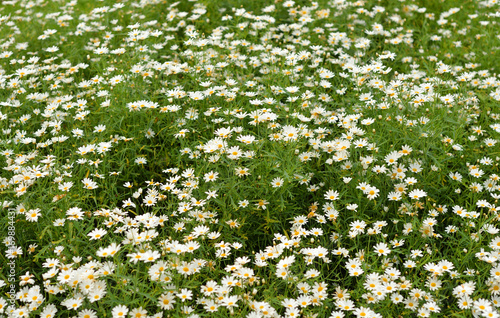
(229, 301)
(138, 313)
(277, 182)
(49, 311)
(72, 303)
(332, 195)
(393, 157)
(99, 128)
(394, 196)
(65, 186)
(32, 215)
(372, 192)
(211, 176)
(87, 313)
(243, 203)
(97, 234)
(240, 171)
(166, 301)
(128, 203)
(50, 263)
(312, 273)
(382, 249)
(246, 139)
(89, 184)
(13, 252)
(417, 194)
(185, 294)
(262, 204)
(141, 161)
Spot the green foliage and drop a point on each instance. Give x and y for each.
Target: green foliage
(249, 159)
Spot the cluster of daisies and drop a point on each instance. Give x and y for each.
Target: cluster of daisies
(148, 145)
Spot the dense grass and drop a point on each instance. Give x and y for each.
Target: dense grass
(249, 158)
